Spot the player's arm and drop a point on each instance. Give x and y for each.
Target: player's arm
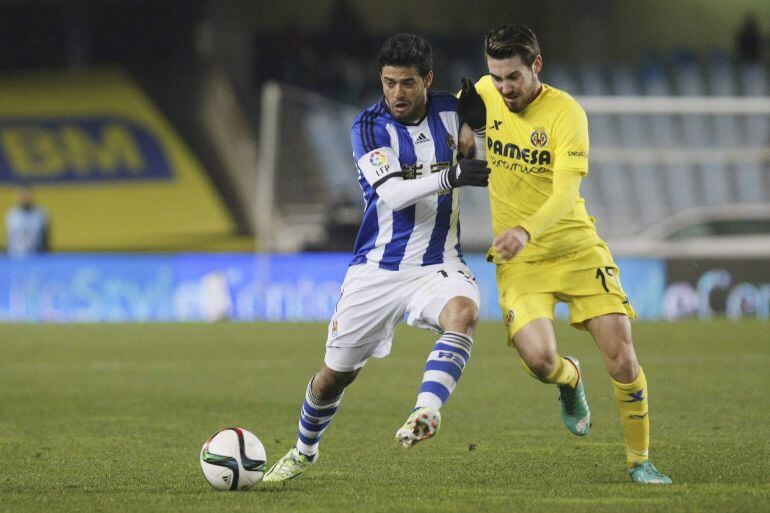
(570, 166)
(566, 190)
(473, 115)
(467, 144)
(379, 165)
(387, 179)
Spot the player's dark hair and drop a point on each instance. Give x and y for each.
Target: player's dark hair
(511, 40)
(407, 51)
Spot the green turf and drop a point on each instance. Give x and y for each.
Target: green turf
(111, 418)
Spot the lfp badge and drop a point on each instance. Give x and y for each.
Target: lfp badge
(378, 159)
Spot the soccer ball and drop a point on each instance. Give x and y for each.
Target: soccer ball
(233, 459)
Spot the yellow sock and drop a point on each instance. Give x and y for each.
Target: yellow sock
(564, 373)
(631, 399)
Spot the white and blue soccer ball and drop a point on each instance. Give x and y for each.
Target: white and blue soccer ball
(233, 459)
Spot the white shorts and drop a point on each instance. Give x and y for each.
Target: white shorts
(373, 301)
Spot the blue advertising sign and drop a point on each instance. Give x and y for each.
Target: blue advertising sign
(204, 287)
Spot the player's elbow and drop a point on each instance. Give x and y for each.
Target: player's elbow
(391, 198)
(394, 204)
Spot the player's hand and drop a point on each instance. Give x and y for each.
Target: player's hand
(469, 172)
(470, 106)
(511, 242)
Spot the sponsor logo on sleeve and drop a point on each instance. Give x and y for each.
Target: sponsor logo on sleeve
(380, 161)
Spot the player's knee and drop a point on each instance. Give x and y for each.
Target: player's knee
(623, 366)
(461, 315)
(540, 365)
(329, 383)
(467, 315)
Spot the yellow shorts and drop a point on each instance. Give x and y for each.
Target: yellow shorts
(587, 280)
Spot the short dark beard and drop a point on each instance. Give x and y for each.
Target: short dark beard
(408, 117)
(529, 100)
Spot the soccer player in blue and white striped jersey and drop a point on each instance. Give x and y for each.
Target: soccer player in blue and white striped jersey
(407, 260)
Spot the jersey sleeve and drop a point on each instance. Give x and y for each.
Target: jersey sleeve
(486, 89)
(571, 133)
(372, 151)
(566, 190)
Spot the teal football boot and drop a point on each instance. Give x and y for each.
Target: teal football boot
(646, 473)
(574, 407)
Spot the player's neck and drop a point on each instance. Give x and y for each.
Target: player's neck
(419, 115)
(538, 90)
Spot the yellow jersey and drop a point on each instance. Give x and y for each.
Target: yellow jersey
(524, 150)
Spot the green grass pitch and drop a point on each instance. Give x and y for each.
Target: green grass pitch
(112, 418)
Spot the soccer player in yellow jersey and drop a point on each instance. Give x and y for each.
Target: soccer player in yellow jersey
(546, 248)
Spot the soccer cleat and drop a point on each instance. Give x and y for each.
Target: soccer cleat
(646, 473)
(289, 467)
(421, 425)
(574, 407)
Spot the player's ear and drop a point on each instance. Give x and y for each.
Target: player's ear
(428, 79)
(537, 65)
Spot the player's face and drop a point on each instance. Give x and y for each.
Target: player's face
(24, 197)
(516, 82)
(406, 92)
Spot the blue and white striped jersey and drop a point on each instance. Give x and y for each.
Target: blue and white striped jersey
(427, 231)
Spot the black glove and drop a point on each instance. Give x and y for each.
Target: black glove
(469, 172)
(471, 108)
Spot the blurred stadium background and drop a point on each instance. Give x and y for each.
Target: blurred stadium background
(193, 155)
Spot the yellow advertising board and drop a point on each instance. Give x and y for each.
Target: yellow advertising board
(105, 164)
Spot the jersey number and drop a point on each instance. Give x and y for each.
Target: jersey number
(600, 275)
(468, 276)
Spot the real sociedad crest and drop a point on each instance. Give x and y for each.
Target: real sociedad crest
(450, 141)
(538, 138)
